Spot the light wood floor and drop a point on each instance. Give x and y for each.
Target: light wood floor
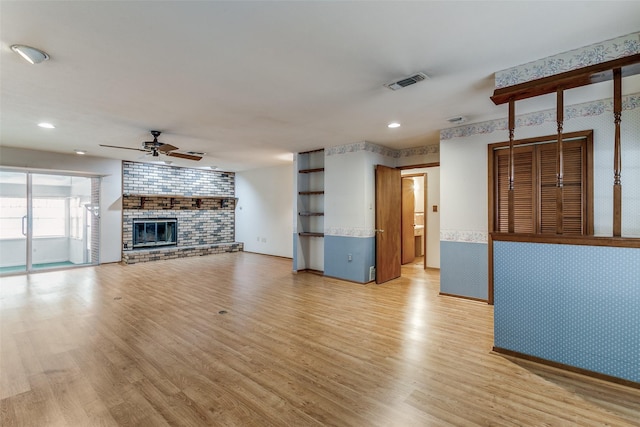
(147, 345)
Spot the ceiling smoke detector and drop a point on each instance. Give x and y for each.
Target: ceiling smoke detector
(407, 81)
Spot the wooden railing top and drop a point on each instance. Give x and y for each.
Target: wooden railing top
(621, 242)
(630, 65)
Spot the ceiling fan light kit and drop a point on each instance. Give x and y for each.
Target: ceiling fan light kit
(156, 147)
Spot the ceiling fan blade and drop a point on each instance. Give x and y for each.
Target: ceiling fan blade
(124, 148)
(164, 148)
(184, 156)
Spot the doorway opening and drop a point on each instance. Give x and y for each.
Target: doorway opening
(407, 220)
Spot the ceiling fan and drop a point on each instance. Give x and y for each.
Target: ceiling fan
(155, 148)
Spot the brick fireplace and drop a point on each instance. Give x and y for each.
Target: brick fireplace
(200, 204)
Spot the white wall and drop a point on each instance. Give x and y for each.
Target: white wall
(110, 190)
(264, 221)
(463, 192)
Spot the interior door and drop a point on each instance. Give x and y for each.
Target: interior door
(388, 230)
(408, 226)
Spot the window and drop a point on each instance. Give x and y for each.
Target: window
(12, 212)
(49, 217)
(535, 185)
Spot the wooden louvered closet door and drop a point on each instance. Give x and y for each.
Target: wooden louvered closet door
(524, 185)
(573, 203)
(535, 188)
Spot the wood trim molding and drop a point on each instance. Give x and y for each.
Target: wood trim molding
(420, 166)
(443, 294)
(617, 242)
(547, 138)
(629, 65)
(581, 371)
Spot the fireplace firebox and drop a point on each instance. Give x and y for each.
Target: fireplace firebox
(155, 232)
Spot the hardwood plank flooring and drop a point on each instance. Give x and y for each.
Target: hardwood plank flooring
(238, 340)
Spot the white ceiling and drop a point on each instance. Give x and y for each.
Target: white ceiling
(251, 82)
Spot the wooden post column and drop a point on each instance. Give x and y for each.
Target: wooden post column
(511, 196)
(559, 163)
(617, 155)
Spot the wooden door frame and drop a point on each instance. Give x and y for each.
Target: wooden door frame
(407, 220)
(426, 194)
(424, 210)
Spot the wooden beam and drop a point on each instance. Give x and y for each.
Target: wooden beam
(511, 195)
(629, 65)
(617, 154)
(559, 163)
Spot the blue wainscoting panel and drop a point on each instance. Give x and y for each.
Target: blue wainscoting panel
(336, 257)
(575, 305)
(463, 269)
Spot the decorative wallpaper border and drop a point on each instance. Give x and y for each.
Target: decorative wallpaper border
(349, 232)
(464, 236)
(384, 151)
(589, 55)
(587, 109)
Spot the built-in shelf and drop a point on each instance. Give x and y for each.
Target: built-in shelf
(309, 254)
(311, 170)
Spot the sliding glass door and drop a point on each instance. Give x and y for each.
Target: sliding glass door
(48, 221)
(13, 222)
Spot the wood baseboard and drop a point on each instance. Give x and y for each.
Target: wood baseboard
(443, 294)
(562, 366)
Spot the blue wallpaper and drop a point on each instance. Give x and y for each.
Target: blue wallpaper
(336, 253)
(463, 269)
(575, 305)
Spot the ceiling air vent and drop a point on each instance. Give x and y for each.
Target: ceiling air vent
(457, 120)
(407, 81)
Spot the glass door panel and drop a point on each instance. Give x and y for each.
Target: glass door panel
(13, 222)
(61, 235)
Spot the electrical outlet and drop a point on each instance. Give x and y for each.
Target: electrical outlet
(349, 258)
(372, 273)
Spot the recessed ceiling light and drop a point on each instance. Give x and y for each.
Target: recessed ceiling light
(30, 54)
(393, 125)
(81, 152)
(46, 125)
